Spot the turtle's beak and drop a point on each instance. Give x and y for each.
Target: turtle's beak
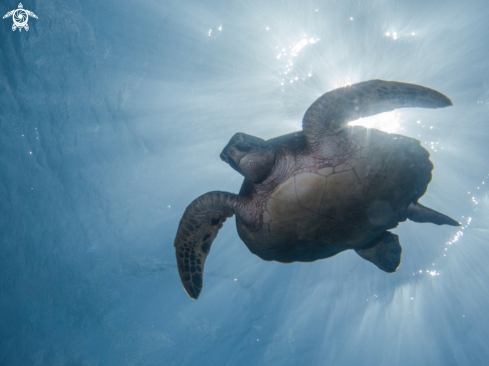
(233, 155)
(250, 156)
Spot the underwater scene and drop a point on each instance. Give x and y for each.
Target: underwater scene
(328, 160)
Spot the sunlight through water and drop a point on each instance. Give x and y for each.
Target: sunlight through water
(389, 122)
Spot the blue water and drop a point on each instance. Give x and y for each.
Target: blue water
(112, 118)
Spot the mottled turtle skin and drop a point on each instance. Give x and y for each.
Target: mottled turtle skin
(319, 206)
(317, 192)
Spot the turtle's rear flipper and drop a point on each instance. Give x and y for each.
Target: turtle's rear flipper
(385, 254)
(418, 213)
(197, 230)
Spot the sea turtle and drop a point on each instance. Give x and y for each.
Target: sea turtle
(312, 194)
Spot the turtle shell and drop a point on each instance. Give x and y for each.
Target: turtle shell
(348, 205)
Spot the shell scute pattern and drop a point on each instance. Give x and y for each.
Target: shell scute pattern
(362, 168)
(365, 189)
(325, 171)
(309, 189)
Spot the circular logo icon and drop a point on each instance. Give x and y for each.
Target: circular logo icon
(20, 18)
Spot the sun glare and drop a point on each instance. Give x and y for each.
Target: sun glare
(286, 54)
(389, 122)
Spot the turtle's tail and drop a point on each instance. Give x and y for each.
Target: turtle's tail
(418, 213)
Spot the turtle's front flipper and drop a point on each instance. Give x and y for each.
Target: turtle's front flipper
(385, 254)
(9, 14)
(197, 230)
(333, 110)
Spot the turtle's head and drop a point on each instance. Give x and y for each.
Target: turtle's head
(250, 156)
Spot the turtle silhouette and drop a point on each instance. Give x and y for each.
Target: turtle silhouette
(331, 187)
(20, 17)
